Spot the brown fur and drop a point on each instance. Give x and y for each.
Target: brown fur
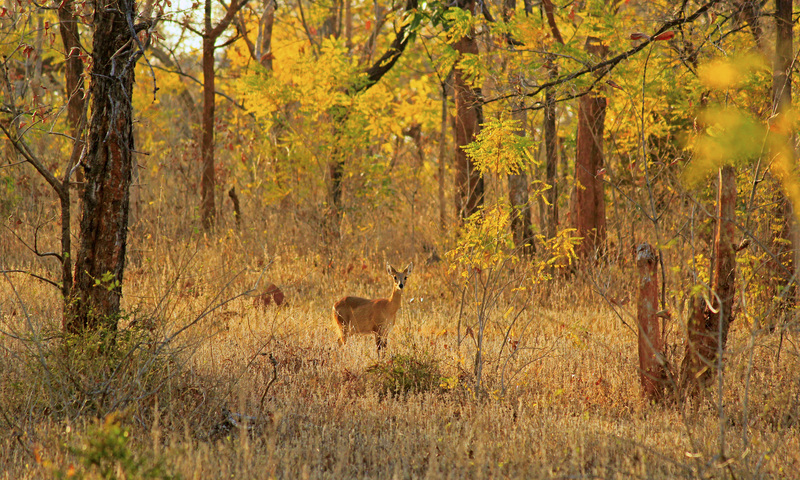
(355, 315)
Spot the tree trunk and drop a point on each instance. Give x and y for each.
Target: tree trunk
(589, 207)
(73, 76)
(708, 327)
(469, 117)
(652, 373)
(550, 218)
(784, 240)
(73, 65)
(442, 155)
(208, 181)
(265, 56)
(521, 227)
(100, 262)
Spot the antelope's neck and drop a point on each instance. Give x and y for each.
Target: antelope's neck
(396, 296)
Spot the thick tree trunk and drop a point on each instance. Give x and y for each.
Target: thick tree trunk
(469, 117)
(589, 205)
(652, 373)
(709, 325)
(100, 262)
(589, 210)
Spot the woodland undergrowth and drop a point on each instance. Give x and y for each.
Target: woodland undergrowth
(208, 377)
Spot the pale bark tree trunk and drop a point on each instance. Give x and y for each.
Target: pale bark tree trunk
(550, 218)
(709, 324)
(100, 262)
(652, 373)
(265, 34)
(469, 117)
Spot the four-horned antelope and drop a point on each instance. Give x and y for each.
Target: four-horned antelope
(360, 315)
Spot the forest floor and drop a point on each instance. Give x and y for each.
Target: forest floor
(205, 380)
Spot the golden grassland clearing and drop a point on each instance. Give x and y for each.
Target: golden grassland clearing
(190, 389)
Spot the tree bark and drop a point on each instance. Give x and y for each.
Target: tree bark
(589, 205)
(589, 209)
(265, 35)
(443, 154)
(73, 77)
(100, 262)
(784, 238)
(73, 65)
(710, 320)
(521, 226)
(652, 373)
(550, 218)
(469, 117)
(208, 182)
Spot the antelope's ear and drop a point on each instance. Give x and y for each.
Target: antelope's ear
(390, 269)
(409, 268)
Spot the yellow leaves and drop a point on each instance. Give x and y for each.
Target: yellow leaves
(499, 149)
(461, 24)
(485, 239)
(732, 72)
(732, 137)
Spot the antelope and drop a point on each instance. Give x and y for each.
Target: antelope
(354, 315)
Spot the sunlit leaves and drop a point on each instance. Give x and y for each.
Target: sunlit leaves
(499, 149)
(460, 23)
(485, 240)
(732, 137)
(731, 72)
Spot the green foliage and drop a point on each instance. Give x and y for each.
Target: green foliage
(106, 451)
(460, 23)
(733, 138)
(404, 374)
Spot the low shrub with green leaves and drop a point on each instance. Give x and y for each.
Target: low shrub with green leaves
(403, 374)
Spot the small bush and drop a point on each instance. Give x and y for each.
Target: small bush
(403, 374)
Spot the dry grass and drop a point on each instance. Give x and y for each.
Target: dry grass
(566, 404)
